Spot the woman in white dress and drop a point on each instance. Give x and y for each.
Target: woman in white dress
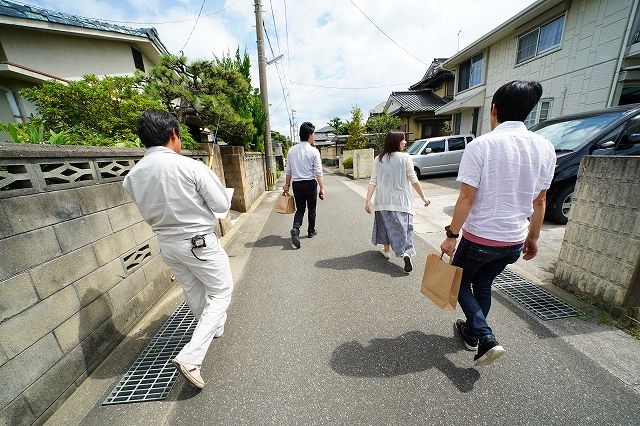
(391, 180)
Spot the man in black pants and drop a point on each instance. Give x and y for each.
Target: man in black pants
(304, 167)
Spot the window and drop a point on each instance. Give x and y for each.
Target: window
(456, 144)
(572, 133)
(457, 118)
(470, 72)
(633, 128)
(436, 146)
(540, 40)
(137, 59)
(539, 113)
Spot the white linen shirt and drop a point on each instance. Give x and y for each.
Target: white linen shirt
(176, 195)
(303, 162)
(509, 166)
(393, 178)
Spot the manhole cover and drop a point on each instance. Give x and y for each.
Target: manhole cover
(152, 375)
(539, 301)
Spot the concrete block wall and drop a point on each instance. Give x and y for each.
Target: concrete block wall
(79, 268)
(600, 254)
(246, 173)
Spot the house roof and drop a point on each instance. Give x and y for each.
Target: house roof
(20, 11)
(326, 129)
(501, 31)
(416, 101)
(434, 73)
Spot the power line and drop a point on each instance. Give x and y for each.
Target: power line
(275, 27)
(114, 21)
(194, 26)
(387, 35)
(351, 88)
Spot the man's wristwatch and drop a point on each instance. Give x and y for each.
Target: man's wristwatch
(450, 233)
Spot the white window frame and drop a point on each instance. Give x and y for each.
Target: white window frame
(534, 116)
(539, 29)
(482, 72)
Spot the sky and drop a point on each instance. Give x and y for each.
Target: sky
(334, 57)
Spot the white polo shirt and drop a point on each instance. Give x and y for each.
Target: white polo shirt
(303, 162)
(509, 166)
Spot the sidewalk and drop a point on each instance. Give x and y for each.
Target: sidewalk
(334, 333)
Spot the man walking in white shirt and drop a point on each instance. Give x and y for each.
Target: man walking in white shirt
(178, 196)
(304, 168)
(504, 179)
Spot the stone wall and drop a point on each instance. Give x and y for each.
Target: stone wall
(600, 254)
(362, 163)
(79, 268)
(246, 173)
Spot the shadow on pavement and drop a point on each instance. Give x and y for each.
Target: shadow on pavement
(411, 352)
(368, 260)
(271, 241)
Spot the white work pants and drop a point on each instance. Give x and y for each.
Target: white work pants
(207, 286)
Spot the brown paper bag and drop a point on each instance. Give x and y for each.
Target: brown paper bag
(285, 204)
(441, 282)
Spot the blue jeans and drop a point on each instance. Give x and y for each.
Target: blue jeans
(481, 265)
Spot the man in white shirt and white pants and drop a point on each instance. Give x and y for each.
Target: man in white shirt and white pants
(504, 177)
(178, 196)
(304, 168)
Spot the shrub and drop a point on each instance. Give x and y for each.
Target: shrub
(348, 163)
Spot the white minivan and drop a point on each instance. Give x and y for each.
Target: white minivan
(438, 155)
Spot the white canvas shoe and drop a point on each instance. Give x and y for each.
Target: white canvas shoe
(386, 254)
(190, 372)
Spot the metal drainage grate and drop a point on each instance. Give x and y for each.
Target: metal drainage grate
(543, 304)
(152, 375)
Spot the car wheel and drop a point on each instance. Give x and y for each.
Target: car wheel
(417, 172)
(562, 206)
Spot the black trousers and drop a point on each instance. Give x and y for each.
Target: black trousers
(305, 193)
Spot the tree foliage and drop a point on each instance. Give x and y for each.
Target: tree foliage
(215, 94)
(342, 127)
(91, 111)
(356, 138)
(382, 124)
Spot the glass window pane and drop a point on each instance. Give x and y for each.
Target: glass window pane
(456, 144)
(550, 35)
(527, 46)
(531, 118)
(544, 111)
(463, 78)
(436, 146)
(475, 75)
(571, 134)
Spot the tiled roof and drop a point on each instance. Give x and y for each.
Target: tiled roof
(16, 10)
(433, 71)
(326, 129)
(417, 101)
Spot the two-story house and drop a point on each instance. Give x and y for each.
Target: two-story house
(585, 53)
(416, 107)
(39, 45)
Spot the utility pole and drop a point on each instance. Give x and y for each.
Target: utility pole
(262, 70)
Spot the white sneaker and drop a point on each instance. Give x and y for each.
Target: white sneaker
(190, 372)
(386, 254)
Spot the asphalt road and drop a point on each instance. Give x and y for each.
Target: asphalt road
(335, 334)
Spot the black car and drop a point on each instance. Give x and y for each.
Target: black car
(612, 131)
